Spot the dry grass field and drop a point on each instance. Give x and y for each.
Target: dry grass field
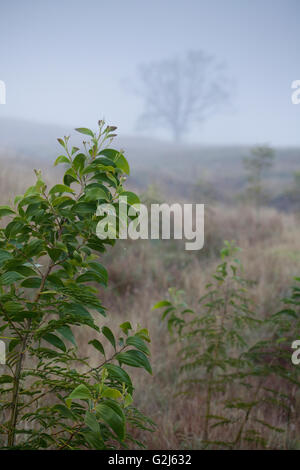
(140, 274)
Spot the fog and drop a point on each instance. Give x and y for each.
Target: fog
(67, 63)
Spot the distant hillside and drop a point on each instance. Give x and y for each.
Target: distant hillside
(175, 168)
(28, 138)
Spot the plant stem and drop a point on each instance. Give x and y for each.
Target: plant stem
(18, 370)
(15, 398)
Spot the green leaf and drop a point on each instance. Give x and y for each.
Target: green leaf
(64, 411)
(34, 248)
(6, 210)
(118, 158)
(13, 307)
(97, 345)
(77, 309)
(109, 153)
(79, 162)
(81, 393)
(162, 303)
(112, 393)
(134, 358)
(85, 130)
(104, 163)
(109, 335)
(62, 201)
(60, 188)
(132, 198)
(9, 278)
(120, 375)
(138, 343)
(69, 178)
(24, 270)
(55, 253)
(13, 343)
(30, 200)
(144, 334)
(89, 276)
(84, 208)
(61, 159)
(91, 422)
(93, 439)
(13, 228)
(4, 256)
(6, 379)
(72, 173)
(128, 400)
(17, 199)
(55, 280)
(62, 143)
(125, 327)
(55, 341)
(122, 163)
(111, 413)
(268, 425)
(94, 194)
(100, 270)
(288, 312)
(32, 283)
(31, 191)
(67, 333)
(74, 150)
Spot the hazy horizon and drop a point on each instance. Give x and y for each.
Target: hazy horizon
(64, 62)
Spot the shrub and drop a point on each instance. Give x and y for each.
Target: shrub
(51, 397)
(241, 363)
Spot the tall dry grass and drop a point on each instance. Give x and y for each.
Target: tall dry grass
(140, 273)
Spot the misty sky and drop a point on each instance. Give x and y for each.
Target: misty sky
(64, 61)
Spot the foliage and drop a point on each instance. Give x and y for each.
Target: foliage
(261, 159)
(297, 180)
(205, 191)
(242, 363)
(293, 191)
(51, 397)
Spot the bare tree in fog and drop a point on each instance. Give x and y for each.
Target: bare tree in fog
(179, 92)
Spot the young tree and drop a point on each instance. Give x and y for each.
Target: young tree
(261, 160)
(204, 190)
(296, 185)
(242, 364)
(179, 92)
(51, 396)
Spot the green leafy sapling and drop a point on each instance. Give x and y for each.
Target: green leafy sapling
(211, 338)
(256, 166)
(51, 396)
(240, 363)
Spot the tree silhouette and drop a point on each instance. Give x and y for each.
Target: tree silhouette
(181, 91)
